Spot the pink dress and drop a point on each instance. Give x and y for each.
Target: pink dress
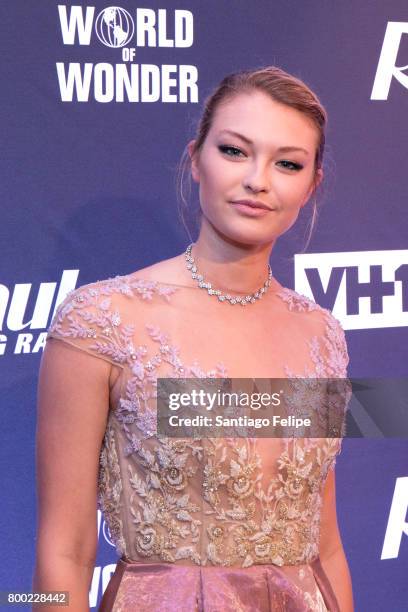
(205, 524)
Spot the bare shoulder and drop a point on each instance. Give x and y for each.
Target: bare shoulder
(171, 270)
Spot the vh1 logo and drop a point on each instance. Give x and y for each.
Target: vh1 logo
(363, 289)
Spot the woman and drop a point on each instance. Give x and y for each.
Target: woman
(216, 524)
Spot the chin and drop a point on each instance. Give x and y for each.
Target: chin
(245, 238)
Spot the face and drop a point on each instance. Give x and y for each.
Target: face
(260, 151)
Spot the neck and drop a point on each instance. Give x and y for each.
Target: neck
(230, 266)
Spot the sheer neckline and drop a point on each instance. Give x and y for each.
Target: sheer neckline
(151, 284)
(146, 289)
(146, 286)
(140, 278)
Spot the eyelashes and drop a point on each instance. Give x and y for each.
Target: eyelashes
(231, 151)
(291, 165)
(226, 148)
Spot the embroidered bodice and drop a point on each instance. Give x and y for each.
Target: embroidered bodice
(224, 502)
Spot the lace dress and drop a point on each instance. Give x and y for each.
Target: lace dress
(205, 524)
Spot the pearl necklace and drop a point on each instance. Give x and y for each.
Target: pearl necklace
(248, 299)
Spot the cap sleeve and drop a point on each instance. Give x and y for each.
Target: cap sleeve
(336, 355)
(89, 319)
(339, 389)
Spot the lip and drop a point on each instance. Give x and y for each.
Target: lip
(252, 208)
(252, 204)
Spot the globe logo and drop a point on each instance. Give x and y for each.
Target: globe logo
(114, 27)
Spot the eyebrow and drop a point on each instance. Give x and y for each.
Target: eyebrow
(248, 141)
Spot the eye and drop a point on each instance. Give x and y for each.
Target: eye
(230, 150)
(288, 165)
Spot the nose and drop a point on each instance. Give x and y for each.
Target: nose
(258, 178)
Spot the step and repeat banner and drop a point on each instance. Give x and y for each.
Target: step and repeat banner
(98, 103)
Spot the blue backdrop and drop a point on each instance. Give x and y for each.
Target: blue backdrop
(91, 136)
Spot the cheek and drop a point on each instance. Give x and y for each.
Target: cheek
(292, 191)
(214, 180)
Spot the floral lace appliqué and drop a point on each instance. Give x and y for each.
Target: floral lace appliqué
(86, 313)
(146, 483)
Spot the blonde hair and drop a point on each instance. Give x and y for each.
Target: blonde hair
(282, 87)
